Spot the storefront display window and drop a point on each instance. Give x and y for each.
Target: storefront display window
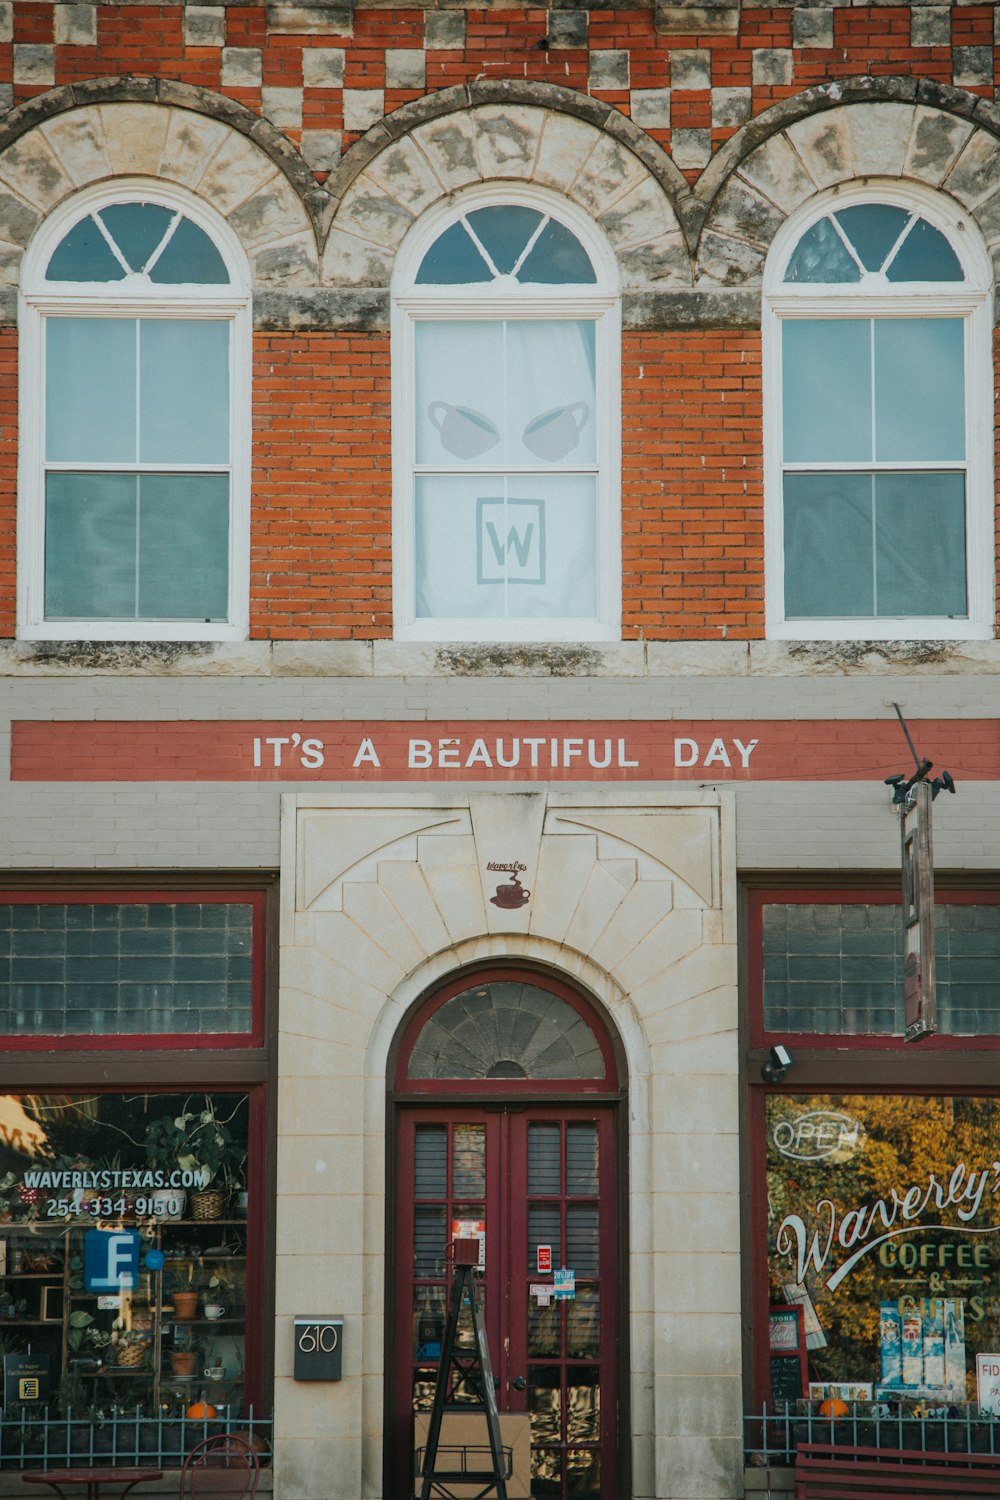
(884, 1227)
(129, 1264)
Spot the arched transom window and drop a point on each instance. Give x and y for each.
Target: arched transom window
(505, 426)
(506, 1028)
(135, 430)
(879, 481)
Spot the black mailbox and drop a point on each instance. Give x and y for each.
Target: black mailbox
(318, 1343)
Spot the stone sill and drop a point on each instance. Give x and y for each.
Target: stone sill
(379, 659)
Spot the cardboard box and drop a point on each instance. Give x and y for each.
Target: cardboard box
(458, 1429)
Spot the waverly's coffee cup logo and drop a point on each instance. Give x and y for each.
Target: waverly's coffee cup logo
(511, 894)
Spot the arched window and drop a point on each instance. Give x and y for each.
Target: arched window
(878, 434)
(506, 1028)
(135, 422)
(506, 425)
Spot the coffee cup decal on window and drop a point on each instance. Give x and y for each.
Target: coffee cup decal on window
(557, 432)
(464, 432)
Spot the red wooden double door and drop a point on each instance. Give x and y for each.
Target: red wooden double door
(538, 1184)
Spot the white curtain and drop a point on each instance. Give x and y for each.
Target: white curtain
(492, 396)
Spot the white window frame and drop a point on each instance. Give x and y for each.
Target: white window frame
(131, 298)
(412, 304)
(970, 301)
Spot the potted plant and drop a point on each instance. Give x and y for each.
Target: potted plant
(184, 1291)
(197, 1140)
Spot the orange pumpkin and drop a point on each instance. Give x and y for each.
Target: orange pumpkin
(834, 1407)
(200, 1411)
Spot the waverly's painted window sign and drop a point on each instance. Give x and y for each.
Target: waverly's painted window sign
(476, 750)
(884, 1226)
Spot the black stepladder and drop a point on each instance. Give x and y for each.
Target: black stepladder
(465, 1464)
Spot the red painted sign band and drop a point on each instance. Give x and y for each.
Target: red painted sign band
(496, 751)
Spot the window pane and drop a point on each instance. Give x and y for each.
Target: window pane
(454, 259)
(104, 969)
(583, 1239)
(504, 232)
(826, 390)
(822, 257)
(581, 1159)
(925, 255)
(184, 391)
(191, 257)
(544, 1159)
(468, 1169)
(829, 545)
(920, 544)
(505, 392)
(919, 389)
(838, 968)
(183, 546)
(460, 413)
(430, 1165)
(84, 255)
(873, 229)
(495, 548)
(137, 229)
(90, 539)
(557, 258)
(90, 390)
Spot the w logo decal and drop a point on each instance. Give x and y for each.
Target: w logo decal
(510, 540)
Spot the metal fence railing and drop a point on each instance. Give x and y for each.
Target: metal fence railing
(771, 1436)
(49, 1440)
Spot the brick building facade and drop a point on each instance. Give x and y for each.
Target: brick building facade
(468, 828)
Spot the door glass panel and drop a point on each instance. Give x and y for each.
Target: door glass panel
(546, 1473)
(583, 1404)
(543, 1159)
(469, 1162)
(582, 1239)
(583, 1474)
(545, 1404)
(543, 1328)
(423, 1389)
(583, 1324)
(544, 1229)
(428, 1321)
(428, 1241)
(581, 1158)
(430, 1161)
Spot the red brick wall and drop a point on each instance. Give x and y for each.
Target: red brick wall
(321, 560)
(692, 486)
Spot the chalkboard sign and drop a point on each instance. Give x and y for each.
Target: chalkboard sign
(319, 1342)
(786, 1380)
(787, 1341)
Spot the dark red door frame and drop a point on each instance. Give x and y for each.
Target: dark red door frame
(508, 1273)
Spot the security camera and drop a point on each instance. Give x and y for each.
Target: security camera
(779, 1060)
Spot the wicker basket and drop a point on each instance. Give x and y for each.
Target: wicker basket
(208, 1204)
(130, 1356)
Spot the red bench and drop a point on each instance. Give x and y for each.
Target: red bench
(827, 1472)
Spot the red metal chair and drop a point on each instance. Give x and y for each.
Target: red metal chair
(221, 1465)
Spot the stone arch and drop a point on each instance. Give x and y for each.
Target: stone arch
(839, 134)
(65, 144)
(534, 133)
